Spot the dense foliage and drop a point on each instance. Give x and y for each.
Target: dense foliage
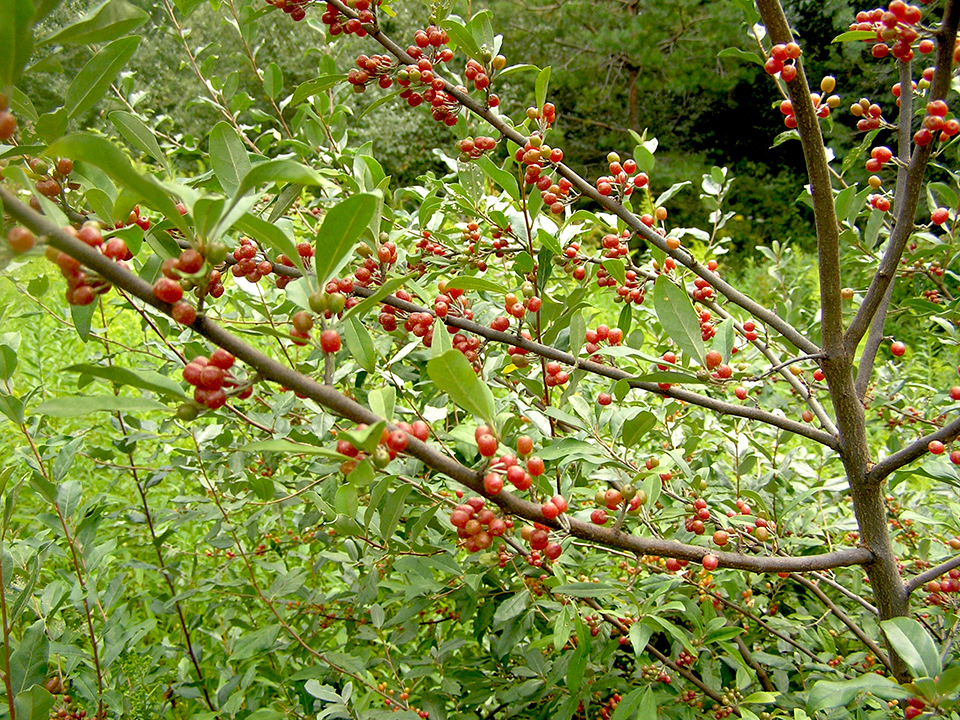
(283, 436)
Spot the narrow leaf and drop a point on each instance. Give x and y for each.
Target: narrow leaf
(914, 646)
(315, 87)
(136, 133)
(453, 374)
(678, 318)
(110, 20)
(16, 40)
(68, 407)
(341, 228)
(95, 77)
(228, 157)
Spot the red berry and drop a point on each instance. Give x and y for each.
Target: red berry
(493, 484)
(487, 445)
(330, 341)
(184, 313)
(535, 466)
(524, 445)
(167, 290)
(20, 239)
(599, 517)
(898, 348)
(604, 398)
(936, 447)
(721, 537)
(710, 562)
(222, 359)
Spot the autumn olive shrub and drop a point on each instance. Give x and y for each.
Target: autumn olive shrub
(506, 443)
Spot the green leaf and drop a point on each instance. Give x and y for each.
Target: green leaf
(366, 440)
(543, 82)
(826, 694)
(8, 362)
(670, 192)
(616, 269)
(12, 407)
(750, 57)
(578, 332)
(388, 288)
(70, 407)
(392, 511)
(143, 379)
(228, 157)
(382, 401)
(512, 607)
(723, 341)
(461, 37)
(34, 704)
(288, 446)
(584, 589)
(315, 87)
(453, 374)
(273, 81)
(470, 282)
(28, 663)
(338, 235)
(914, 645)
(111, 20)
(136, 133)
(514, 69)
(636, 427)
(855, 35)
(360, 344)
(678, 318)
(108, 157)
(501, 178)
(270, 171)
(16, 40)
(481, 28)
(630, 702)
(95, 77)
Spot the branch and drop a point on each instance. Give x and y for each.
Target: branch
(911, 452)
(845, 619)
(821, 190)
(339, 404)
(869, 607)
(683, 257)
(613, 373)
(918, 581)
(908, 193)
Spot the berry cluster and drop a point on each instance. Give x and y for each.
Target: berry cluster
(538, 537)
(294, 8)
(49, 184)
(821, 104)
(210, 375)
(376, 263)
(371, 69)
(915, 708)
(248, 264)
(603, 334)
(392, 443)
(470, 148)
(305, 251)
(622, 179)
(895, 26)
(870, 114)
(338, 23)
(478, 525)
(780, 59)
(83, 287)
(612, 500)
(935, 121)
(700, 513)
(8, 121)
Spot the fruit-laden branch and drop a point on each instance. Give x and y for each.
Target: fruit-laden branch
(328, 397)
(770, 318)
(918, 581)
(908, 193)
(719, 406)
(917, 449)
